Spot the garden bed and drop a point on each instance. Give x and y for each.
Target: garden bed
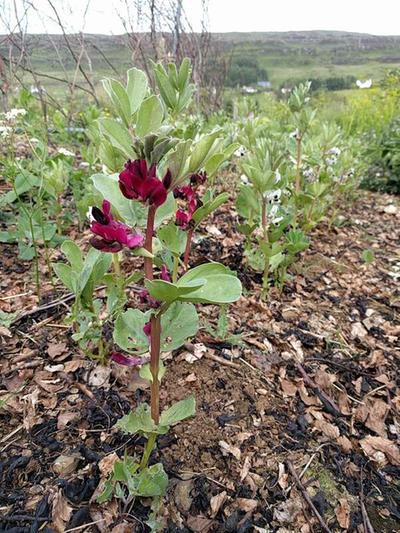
(308, 399)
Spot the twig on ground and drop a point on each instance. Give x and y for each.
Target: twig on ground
(330, 405)
(222, 361)
(307, 498)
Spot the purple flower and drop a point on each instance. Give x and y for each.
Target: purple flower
(198, 179)
(165, 275)
(145, 298)
(187, 192)
(147, 329)
(110, 235)
(124, 360)
(138, 182)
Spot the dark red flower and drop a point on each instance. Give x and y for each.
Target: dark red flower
(165, 275)
(198, 179)
(145, 298)
(138, 182)
(110, 235)
(187, 192)
(182, 219)
(124, 360)
(147, 329)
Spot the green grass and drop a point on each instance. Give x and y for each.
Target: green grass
(287, 56)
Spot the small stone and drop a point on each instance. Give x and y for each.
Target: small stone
(66, 464)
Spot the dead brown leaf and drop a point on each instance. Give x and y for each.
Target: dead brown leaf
(329, 430)
(342, 512)
(379, 450)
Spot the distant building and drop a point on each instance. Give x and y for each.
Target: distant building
(367, 84)
(264, 84)
(248, 90)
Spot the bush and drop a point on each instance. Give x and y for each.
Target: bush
(245, 71)
(383, 153)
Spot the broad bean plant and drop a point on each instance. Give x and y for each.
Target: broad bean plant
(290, 178)
(155, 192)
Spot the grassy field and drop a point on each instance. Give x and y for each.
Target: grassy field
(287, 56)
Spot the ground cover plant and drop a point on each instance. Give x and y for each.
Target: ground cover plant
(199, 313)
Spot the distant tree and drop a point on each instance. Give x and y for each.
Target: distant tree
(245, 70)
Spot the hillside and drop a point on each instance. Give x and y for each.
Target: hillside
(285, 55)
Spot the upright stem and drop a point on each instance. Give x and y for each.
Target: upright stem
(187, 249)
(148, 244)
(155, 322)
(175, 269)
(298, 163)
(265, 238)
(155, 366)
(116, 265)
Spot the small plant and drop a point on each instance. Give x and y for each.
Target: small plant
(162, 189)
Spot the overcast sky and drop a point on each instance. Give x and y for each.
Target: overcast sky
(380, 17)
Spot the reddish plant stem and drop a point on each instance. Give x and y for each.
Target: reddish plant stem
(155, 322)
(148, 243)
(155, 366)
(187, 249)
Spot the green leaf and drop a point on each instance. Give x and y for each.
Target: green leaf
(119, 97)
(221, 286)
(208, 208)
(177, 161)
(178, 323)
(275, 261)
(66, 275)
(6, 319)
(178, 411)
(162, 290)
(145, 372)
(152, 482)
(203, 151)
(173, 238)
(128, 331)
(184, 73)
(138, 421)
(22, 184)
(165, 291)
(150, 116)
(167, 91)
(118, 135)
(73, 253)
(136, 88)
(107, 493)
(368, 256)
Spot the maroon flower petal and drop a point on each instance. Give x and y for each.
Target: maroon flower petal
(124, 360)
(105, 246)
(147, 329)
(165, 275)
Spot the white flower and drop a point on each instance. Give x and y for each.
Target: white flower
(14, 113)
(278, 177)
(84, 164)
(89, 215)
(4, 131)
(64, 151)
(244, 179)
(33, 140)
(240, 152)
(294, 134)
(330, 161)
(273, 211)
(335, 151)
(273, 197)
(276, 221)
